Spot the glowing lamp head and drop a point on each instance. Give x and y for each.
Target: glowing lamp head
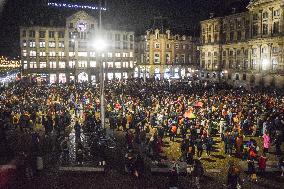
(100, 44)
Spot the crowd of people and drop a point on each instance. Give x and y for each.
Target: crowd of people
(149, 112)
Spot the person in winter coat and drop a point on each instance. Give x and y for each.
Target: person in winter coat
(173, 132)
(233, 178)
(266, 142)
(262, 163)
(239, 145)
(198, 171)
(199, 146)
(77, 128)
(173, 179)
(209, 144)
(139, 166)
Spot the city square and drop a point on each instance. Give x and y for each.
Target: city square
(117, 94)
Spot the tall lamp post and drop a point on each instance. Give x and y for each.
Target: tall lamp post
(100, 46)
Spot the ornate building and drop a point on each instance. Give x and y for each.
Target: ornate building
(245, 48)
(62, 54)
(164, 55)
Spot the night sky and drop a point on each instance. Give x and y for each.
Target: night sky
(180, 16)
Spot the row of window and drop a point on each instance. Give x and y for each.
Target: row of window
(33, 53)
(52, 44)
(178, 58)
(42, 34)
(42, 44)
(238, 23)
(239, 64)
(239, 52)
(81, 35)
(265, 15)
(168, 46)
(238, 35)
(72, 64)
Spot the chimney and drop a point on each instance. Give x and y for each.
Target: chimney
(168, 32)
(148, 32)
(157, 32)
(211, 14)
(233, 10)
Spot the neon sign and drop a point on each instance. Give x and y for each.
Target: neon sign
(75, 6)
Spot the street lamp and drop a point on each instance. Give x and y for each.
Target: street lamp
(100, 45)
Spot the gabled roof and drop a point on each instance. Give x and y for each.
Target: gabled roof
(254, 3)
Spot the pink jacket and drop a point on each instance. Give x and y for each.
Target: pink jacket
(266, 141)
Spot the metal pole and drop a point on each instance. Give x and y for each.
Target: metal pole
(101, 73)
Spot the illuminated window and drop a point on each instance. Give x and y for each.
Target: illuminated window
(117, 54)
(131, 54)
(93, 64)
(51, 44)
(83, 54)
(117, 64)
(71, 64)
(110, 64)
(52, 54)
(61, 64)
(24, 53)
(124, 54)
(33, 65)
(32, 53)
(42, 65)
(61, 44)
(92, 54)
(131, 64)
(25, 65)
(82, 64)
(41, 44)
(32, 43)
(125, 65)
(42, 53)
(52, 64)
(61, 54)
(71, 54)
(109, 55)
(24, 43)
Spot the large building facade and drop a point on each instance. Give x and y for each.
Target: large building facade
(245, 48)
(68, 53)
(164, 55)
